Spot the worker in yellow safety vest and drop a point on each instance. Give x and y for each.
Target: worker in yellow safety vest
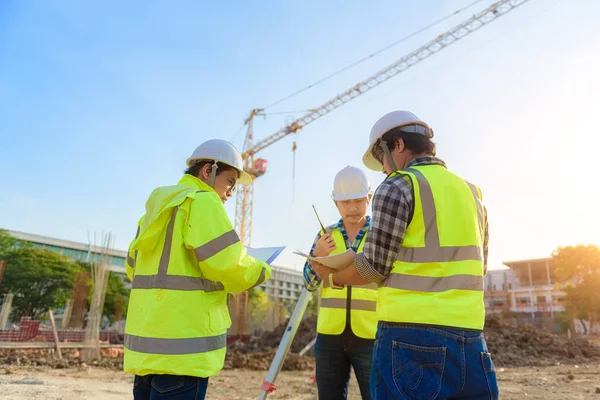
(347, 321)
(427, 251)
(185, 259)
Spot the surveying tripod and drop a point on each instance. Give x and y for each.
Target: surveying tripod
(268, 385)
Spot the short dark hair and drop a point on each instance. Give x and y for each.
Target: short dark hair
(415, 142)
(194, 170)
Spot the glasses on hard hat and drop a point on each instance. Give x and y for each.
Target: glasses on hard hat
(378, 151)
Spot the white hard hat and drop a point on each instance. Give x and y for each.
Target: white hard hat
(221, 151)
(384, 124)
(350, 183)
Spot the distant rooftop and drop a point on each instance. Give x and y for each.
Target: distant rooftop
(30, 237)
(528, 261)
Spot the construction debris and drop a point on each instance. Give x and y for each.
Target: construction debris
(260, 350)
(267, 341)
(510, 347)
(261, 361)
(46, 358)
(530, 346)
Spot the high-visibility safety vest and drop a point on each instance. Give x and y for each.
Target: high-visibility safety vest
(438, 277)
(359, 302)
(184, 260)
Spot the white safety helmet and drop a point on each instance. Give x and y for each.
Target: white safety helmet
(350, 183)
(220, 151)
(384, 124)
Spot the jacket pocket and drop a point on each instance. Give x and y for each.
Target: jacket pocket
(219, 319)
(417, 371)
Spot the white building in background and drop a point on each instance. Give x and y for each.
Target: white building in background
(285, 283)
(533, 288)
(75, 250)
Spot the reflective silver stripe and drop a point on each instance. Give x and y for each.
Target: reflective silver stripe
(333, 303)
(130, 260)
(162, 280)
(433, 284)
(150, 345)
(175, 282)
(364, 305)
(261, 278)
(433, 252)
(215, 246)
(369, 286)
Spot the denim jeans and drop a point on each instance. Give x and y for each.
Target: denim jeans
(334, 356)
(426, 363)
(169, 387)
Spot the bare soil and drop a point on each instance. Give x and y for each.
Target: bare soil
(36, 383)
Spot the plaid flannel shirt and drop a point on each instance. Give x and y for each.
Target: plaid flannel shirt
(393, 206)
(311, 279)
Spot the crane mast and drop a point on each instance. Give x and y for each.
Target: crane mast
(244, 200)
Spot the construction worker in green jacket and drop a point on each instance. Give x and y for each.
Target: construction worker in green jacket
(185, 259)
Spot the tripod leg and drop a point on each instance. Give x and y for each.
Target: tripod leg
(268, 385)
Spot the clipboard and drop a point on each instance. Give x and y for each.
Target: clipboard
(266, 254)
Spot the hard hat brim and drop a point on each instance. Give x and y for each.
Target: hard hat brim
(370, 161)
(351, 196)
(245, 178)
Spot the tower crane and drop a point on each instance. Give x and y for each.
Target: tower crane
(257, 166)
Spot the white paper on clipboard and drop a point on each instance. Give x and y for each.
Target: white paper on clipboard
(266, 254)
(336, 261)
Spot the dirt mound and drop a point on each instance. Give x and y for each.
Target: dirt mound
(530, 346)
(45, 358)
(258, 353)
(307, 330)
(262, 360)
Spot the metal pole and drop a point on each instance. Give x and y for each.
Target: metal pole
(268, 385)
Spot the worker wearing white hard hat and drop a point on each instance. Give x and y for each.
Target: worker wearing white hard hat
(185, 259)
(427, 251)
(347, 320)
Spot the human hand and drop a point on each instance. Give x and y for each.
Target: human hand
(321, 270)
(325, 245)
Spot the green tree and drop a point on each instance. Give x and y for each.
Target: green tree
(258, 306)
(39, 280)
(311, 308)
(578, 271)
(6, 241)
(116, 298)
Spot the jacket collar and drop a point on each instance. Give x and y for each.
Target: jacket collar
(194, 183)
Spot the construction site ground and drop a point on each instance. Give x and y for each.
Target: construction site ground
(548, 383)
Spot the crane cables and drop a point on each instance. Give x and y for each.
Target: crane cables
(354, 64)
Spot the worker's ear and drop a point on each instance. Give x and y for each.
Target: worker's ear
(205, 172)
(399, 144)
(369, 197)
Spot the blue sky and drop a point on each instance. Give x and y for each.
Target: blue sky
(100, 103)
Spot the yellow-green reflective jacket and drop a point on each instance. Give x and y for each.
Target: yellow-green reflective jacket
(184, 260)
(362, 301)
(438, 276)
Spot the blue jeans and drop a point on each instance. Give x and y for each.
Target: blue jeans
(168, 387)
(334, 356)
(412, 362)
